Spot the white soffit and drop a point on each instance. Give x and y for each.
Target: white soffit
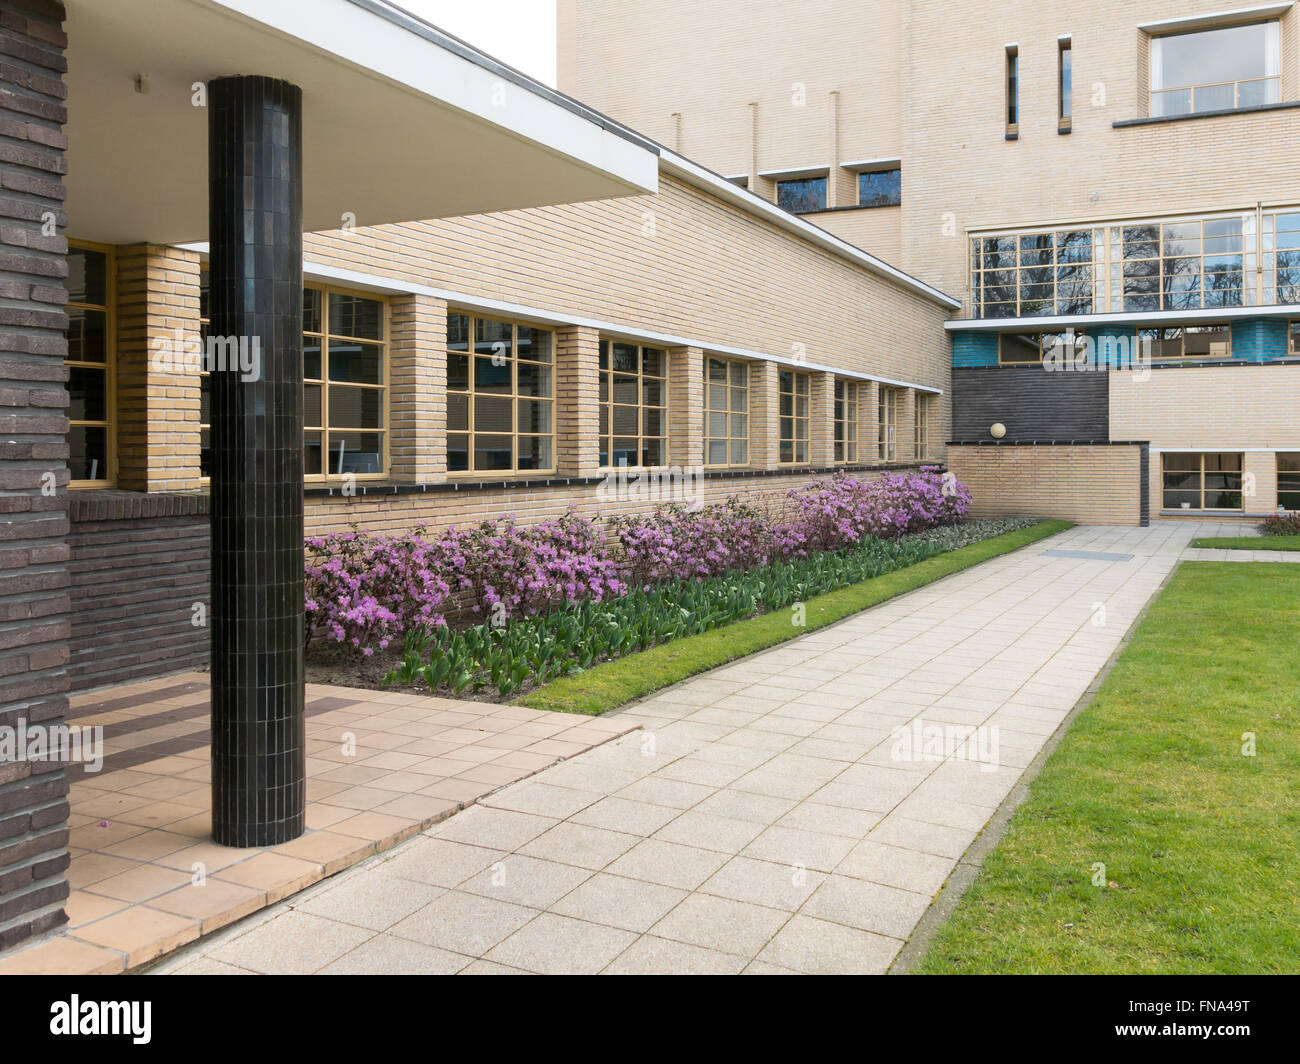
(401, 122)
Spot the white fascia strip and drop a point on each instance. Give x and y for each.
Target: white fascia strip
(796, 173)
(353, 36)
(392, 286)
(720, 187)
(1152, 317)
(1214, 18)
(864, 165)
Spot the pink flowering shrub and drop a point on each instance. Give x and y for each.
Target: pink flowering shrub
(365, 591)
(838, 512)
(532, 568)
(677, 543)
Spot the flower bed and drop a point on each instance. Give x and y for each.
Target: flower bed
(534, 602)
(1286, 523)
(568, 640)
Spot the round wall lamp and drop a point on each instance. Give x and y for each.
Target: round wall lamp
(997, 430)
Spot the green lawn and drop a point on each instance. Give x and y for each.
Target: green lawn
(1248, 542)
(1201, 844)
(616, 683)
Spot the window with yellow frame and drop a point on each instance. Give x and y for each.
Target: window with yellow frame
(846, 421)
(345, 373)
(726, 413)
(887, 423)
(90, 361)
(794, 390)
(921, 441)
(633, 405)
(500, 396)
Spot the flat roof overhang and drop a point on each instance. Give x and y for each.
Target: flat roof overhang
(401, 122)
(1152, 317)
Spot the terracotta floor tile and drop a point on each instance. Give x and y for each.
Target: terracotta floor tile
(274, 873)
(141, 883)
(63, 956)
(214, 903)
(141, 933)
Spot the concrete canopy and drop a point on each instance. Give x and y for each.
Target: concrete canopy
(401, 122)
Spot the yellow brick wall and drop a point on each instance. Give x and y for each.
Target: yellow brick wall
(1249, 409)
(157, 412)
(1092, 485)
(400, 513)
(682, 262)
(924, 81)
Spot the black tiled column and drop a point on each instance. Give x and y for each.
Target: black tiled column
(255, 235)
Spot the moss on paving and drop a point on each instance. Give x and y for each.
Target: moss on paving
(615, 683)
(1200, 842)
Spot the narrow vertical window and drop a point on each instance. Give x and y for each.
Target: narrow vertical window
(90, 366)
(887, 423)
(633, 405)
(1064, 85)
(846, 421)
(726, 418)
(1013, 91)
(795, 390)
(921, 441)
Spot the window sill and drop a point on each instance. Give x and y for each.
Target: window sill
(1163, 119)
(1215, 513)
(850, 207)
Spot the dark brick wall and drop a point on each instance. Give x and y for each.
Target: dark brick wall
(1032, 403)
(139, 563)
(33, 454)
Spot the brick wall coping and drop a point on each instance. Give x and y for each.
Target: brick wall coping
(112, 504)
(1223, 112)
(391, 488)
(1048, 443)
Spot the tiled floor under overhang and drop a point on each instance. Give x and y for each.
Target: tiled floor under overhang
(146, 877)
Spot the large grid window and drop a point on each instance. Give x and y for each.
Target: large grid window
(1288, 481)
(344, 368)
(887, 423)
(500, 396)
(795, 389)
(633, 405)
(343, 348)
(1280, 258)
(921, 430)
(1034, 274)
(1245, 259)
(846, 420)
(1189, 341)
(726, 414)
(1217, 69)
(1186, 265)
(1202, 481)
(90, 366)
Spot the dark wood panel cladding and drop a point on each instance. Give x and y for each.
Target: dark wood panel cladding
(139, 564)
(1033, 403)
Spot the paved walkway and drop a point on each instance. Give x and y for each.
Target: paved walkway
(767, 818)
